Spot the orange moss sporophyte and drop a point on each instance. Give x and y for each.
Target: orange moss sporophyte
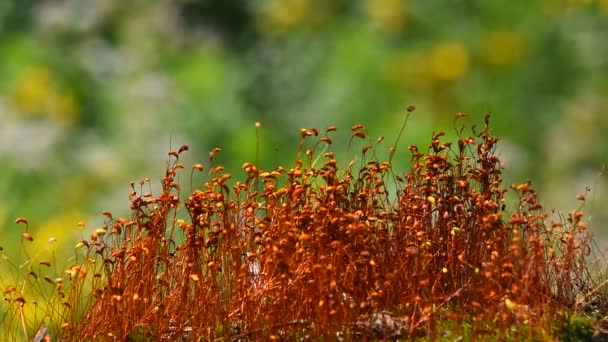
(26, 235)
(318, 250)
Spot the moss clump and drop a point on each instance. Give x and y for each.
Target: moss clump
(324, 251)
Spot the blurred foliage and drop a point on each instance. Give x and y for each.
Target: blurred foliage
(96, 92)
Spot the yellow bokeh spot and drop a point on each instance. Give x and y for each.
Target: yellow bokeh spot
(554, 8)
(36, 94)
(32, 89)
(551, 8)
(387, 15)
(289, 12)
(61, 227)
(408, 69)
(3, 216)
(503, 48)
(603, 5)
(280, 16)
(579, 3)
(449, 61)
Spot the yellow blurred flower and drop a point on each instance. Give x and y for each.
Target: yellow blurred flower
(280, 16)
(289, 12)
(423, 68)
(579, 3)
(61, 227)
(35, 93)
(603, 5)
(501, 48)
(449, 61)
(387, 15)
(554, 8)
(32, 89)
(3, 216)
(407, 69)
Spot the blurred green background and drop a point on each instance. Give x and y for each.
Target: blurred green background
(94, 93)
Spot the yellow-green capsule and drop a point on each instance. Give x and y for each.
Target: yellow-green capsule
(510, 304)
